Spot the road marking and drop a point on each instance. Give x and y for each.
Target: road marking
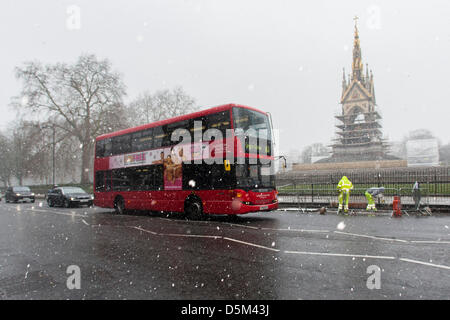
(339, 255)
(425, 263)
(321, 231)
(371, 237)
(71, 214)
(329, 254)
(275, 229)
(326, 254)
(430, 241)
(251, 244)
(205, 236)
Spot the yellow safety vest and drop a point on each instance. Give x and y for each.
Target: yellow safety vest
(345, 184)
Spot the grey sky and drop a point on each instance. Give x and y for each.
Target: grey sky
(285, 57)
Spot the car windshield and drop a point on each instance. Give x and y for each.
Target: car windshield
(73, 190)
(21, 189)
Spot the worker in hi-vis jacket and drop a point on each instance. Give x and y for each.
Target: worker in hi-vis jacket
(344, 186)
(370, 194)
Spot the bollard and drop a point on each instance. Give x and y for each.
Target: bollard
(397, 207)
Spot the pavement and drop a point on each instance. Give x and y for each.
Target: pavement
(285, 254)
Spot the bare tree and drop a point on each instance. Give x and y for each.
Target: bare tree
(313, 150)
(163, 104)
(6, 160)
(83, 100)
(24, 151)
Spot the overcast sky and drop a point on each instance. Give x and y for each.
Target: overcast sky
(284, 57)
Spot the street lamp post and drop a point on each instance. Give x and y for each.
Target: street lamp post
(53, 149)
(53, 154)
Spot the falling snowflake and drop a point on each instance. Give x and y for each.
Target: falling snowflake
(341, 225)
(24, 101)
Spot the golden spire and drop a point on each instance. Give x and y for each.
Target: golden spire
(357, 66)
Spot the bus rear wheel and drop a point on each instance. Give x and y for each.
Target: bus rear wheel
(193, 209)
(119, 205)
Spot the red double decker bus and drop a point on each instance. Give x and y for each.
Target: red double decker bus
(216, 161)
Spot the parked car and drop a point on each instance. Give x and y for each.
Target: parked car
(68, 196)
(15, 194)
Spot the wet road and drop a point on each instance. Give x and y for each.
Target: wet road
(276, 255)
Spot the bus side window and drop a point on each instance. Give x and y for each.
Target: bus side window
(158, 137)
(196, 128)
(171, 128)
(108, 148)
(100, 149)
(100, 181)
(158, 177)
(147, 178)
(121, 144)
(135, 139)
(108, 185)
(197, 176)
(121, 180)
(167, 133)
(142, 140)
(142, 178)
(219, 121)
(220, 178)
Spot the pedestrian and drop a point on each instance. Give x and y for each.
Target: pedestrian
(416, 193)
(344, 186)
(370, 193)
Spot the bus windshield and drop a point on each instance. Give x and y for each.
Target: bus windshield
(251, 123)
(254, 176)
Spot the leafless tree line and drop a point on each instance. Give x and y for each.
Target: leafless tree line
(62, 108)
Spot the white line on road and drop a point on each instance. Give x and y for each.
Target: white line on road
(425, 263)
(371, 237)
(339, 255)
(330, 254)
(327, 254)
(429, 241)
(251, 244)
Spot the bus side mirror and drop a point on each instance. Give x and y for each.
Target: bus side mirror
(227, 165)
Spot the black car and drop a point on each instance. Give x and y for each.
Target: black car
(15, 194)
(68, 196)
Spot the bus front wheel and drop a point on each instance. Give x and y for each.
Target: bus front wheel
(119, 205)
